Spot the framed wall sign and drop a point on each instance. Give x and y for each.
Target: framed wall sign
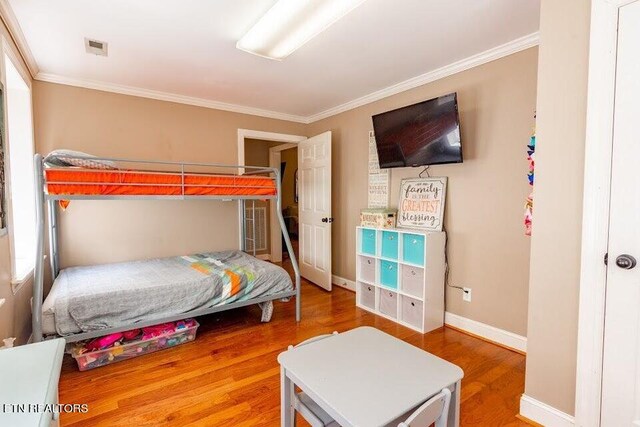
(378, 195)
(421, 203)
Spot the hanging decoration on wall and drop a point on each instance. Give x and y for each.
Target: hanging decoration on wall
(421, 203)
(378, 178)
(528, 207)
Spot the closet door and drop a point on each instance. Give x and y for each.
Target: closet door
(621, 363)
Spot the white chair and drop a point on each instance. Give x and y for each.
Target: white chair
(435, 410)
(303, 404)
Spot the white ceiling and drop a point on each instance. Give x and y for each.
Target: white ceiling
(187, 47)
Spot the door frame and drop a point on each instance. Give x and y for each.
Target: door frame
(244, 134)
(595, 217)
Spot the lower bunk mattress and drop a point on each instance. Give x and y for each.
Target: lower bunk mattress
(105, 296)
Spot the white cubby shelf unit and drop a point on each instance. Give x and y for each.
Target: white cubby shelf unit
(400, 275)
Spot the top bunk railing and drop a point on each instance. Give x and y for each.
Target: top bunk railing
(164, 179)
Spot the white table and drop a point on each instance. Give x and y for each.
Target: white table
(29, 374)
(366, 378)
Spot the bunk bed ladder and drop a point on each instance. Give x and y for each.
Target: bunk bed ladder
(53, 238)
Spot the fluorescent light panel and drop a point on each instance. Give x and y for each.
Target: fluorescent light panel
(289, 24)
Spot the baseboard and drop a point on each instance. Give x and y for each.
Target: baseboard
(264, 257)
(544, 414)
(343, 283)
(491, 333)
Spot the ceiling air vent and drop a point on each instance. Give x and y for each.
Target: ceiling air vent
(95, 47)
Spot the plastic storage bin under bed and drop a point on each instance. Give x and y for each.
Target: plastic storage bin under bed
(97, 358)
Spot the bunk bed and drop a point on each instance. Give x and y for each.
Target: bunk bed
(205, 283)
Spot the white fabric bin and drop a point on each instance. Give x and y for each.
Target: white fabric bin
(389, 303)
(412, 312)
(367, 295)
(413, 280)
(368, 269)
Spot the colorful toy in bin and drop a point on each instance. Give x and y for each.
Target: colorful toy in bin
(126, 345)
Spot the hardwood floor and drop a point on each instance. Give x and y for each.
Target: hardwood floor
(229, 375)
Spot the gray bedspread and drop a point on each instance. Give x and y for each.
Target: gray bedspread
(112, 295)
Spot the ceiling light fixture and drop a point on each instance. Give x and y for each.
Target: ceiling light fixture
(289, 24)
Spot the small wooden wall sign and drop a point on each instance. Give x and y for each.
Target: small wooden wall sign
(421, 203)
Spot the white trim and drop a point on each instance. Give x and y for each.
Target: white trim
(347, 284)
(500, 336)
(166, 96)
(595, 212)
(18, 283)
(283, 147)
(481, 58)
(264, 136)
(14, 29)
(268, 136)
(544, 414)
(492, 54)
(17, 62)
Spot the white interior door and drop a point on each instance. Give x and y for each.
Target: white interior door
(314, 209)
(621, 370)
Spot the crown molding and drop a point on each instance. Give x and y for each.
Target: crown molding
(166, 96)
(13, 27)
(492, 54)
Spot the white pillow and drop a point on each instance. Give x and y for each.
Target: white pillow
(67, 158)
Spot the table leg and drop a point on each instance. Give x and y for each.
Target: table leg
(286, 402)
(454, 406)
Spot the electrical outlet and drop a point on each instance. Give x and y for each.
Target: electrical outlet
(466, 294)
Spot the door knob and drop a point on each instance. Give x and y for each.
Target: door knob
(626, 261)
(327, 220)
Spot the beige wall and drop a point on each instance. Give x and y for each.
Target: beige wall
(484, 214)
(15, 314)
(555, 246)
(108, 124)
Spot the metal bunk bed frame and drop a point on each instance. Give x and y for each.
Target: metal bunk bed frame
(51, 212)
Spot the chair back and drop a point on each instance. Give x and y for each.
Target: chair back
(313, 339)
(434, 410)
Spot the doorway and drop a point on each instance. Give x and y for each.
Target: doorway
(257, 148)
(310, 189)
(285, 156)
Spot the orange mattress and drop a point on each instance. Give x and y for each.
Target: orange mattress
(94, 182)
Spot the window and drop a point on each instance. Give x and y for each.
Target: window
(22, 215)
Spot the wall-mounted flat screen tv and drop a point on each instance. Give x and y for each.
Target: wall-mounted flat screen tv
(427, 133)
